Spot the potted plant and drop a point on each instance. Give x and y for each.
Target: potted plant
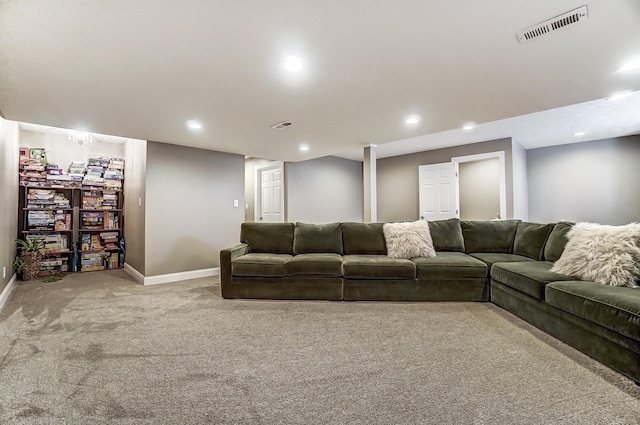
(31, 252)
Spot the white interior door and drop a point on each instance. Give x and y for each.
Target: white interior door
(437, 192)
(269, 205)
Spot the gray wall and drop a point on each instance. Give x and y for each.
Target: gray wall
(134, 202)
(591, 181)
(324, 190)
(9, 136)
(398, 177)
(479, 189)
(189, 208)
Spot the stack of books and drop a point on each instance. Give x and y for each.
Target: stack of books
(109, 240)
(114, 174)
(31, 164)
(92, 261)
(53, 242)
(92, 220)
(41, 220)
(92, 200)
(62, 221)
(41, 198)
(49, 265)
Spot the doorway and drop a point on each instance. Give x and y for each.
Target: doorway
(269, 193)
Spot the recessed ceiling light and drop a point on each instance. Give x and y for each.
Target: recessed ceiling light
(579, 134)
(194, 125)
(293, 63)
(620, 95)
(630, 66)
(304, 148)
(469, 126)
(413, 119)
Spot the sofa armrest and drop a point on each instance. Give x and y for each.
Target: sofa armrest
(226, 256)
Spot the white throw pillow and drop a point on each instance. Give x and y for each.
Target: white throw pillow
(606, 254)
(408, 240)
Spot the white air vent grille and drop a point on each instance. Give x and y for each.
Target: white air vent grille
(281, 125)
(570, 18)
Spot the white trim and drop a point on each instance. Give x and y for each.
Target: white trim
(7, 290)
(503, 176)
(170, 277)
(139, 277)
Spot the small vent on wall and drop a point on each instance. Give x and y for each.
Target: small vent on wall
(570, 18)
(281, 125)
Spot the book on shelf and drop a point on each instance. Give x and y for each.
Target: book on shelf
(62, 221)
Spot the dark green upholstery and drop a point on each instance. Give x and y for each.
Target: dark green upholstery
(315, 238)
(530, 239)
(490, 259)
(489, 236)
(276, 238)
(363, 238)
(291, 288)
(377, 267)
(529, 277)
(315, 265)
(447, 235)
(260, 264)
(611, 348)
(615, 308)
(557, 241)
(449, 265)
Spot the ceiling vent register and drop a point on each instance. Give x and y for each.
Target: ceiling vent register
(282, 125)
(570, 18)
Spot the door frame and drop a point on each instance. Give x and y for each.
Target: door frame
(502, 174)
(257, 200)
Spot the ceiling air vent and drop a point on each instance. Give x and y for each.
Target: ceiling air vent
(281, 125)
(570, 18)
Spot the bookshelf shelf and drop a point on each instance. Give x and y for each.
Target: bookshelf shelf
(77, 213)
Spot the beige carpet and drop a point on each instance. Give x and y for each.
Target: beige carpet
(98, 348)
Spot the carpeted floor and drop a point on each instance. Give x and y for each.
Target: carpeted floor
(98, 348)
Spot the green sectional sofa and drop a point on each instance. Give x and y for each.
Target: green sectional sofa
(507, 262)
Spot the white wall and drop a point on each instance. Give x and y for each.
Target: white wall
(591, 181)
(9, 139)
(324, 190)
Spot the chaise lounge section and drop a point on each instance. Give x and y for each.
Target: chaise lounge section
(507, 262)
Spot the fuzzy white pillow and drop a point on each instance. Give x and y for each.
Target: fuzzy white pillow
(408, 240)
(606, 254)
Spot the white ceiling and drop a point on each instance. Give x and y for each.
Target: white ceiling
(141, 69)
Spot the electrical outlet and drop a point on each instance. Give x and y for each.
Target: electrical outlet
(4, 271)
(235, 203)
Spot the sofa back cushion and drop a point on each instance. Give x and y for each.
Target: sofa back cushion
(310, 238)
(557, 241)
(530, 239)
(363, 238)
(276, 238)
(489, 236)
(447, 235)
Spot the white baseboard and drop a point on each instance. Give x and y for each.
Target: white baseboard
(7, 290)
(171, 277)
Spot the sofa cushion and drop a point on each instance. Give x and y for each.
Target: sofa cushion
(557, 241)
(489, 236)
(260, 264)
(529, 277)
(530, 239)
(329, 265)
(310, 238)
(268, 237)
(408, 239)
(450, 265)
(363, 238)
(615, 308)
(377, 267)
(490, 258)
(602, 253)
(447, 235)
